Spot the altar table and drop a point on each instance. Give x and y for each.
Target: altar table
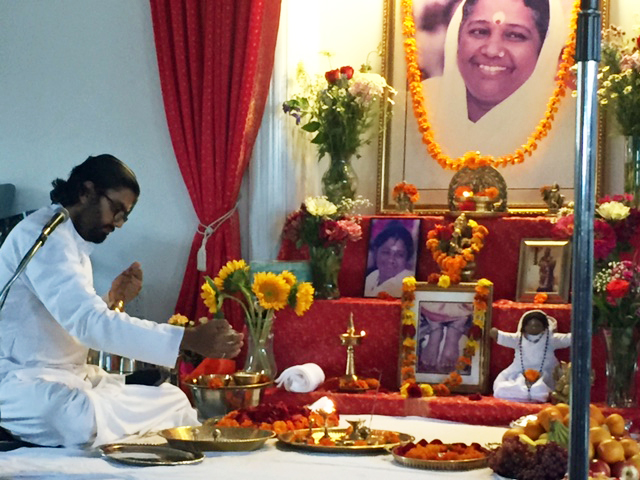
(271, 462)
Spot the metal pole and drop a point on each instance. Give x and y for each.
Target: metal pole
(587, 58)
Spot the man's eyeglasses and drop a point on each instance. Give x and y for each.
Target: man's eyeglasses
(118, 210)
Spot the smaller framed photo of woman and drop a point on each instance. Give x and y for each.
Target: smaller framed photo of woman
(545, 267)
(392, 255)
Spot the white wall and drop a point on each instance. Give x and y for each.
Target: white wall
(79, 78)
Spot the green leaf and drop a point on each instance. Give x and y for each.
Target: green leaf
(311, 127)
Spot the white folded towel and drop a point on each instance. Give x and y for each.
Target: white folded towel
(301, 378)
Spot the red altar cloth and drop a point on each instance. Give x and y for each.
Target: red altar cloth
(316, 338)
(484, 410)
(498, 260)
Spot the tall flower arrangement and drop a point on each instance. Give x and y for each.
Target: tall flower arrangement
(324, 228)
(260, 295)
(619, 78)
(339, 109)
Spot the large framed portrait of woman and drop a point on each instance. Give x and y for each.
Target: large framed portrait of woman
(487, 71)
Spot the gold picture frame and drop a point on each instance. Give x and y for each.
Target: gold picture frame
(544, 267)
(447, 321)
(403, 156)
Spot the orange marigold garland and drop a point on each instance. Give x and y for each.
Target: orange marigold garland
(472, 159)
(409, 388)
(450, 262)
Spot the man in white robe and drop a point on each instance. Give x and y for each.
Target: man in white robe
(52, 315)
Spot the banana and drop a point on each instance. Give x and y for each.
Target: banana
(526, 440)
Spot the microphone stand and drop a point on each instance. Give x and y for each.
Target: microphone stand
(23, 264)
(587, 58)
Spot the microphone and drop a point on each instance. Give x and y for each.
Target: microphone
(61, 216)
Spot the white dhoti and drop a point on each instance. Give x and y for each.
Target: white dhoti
(54, 407)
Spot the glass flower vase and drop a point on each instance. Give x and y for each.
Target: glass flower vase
(340, 180)
(325, 266)
(260, 357)
(622, 365)
(632, 166)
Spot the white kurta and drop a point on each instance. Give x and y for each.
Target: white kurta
(510, 384)
(52, 316)
(392, 286)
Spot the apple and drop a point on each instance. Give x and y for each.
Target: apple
(616, 468)
(599, 466)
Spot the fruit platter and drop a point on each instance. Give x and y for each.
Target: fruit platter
(537, 449)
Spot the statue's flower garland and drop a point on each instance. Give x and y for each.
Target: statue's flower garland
(452, 263)
(476, 159)
(408, 357)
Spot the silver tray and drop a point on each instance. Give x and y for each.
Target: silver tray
(149, 455)
(289, 439)
(209, 438)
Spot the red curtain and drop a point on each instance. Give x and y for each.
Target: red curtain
(215, 59)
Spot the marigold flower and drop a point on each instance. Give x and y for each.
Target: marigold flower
(408, 284)
(540, 297)
(444, 281)
(179, 320)
(271, 290)
(531, 375)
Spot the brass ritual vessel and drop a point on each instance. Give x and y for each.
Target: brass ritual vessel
(350, 339)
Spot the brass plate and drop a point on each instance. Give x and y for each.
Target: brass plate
(287, 438)
(205, 438)
(149, 455)
(452, 465)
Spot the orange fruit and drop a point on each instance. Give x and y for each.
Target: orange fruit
(615, 422)
(596, 413)
(563, 408)
(533, 429)
(546, 415)
(610, 450)
(512, 432)
(630, 447)
(598, 434)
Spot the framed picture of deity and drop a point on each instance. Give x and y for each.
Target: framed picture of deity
(444, 339)
(544, 268)
(478, 78)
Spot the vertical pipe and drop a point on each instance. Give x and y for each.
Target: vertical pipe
(587, 58)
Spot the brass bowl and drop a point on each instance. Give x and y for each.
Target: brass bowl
(217, 402)
(246, 378)
(209, 438)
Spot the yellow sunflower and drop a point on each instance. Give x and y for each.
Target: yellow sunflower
(289, 277)
(272, 291)
(209, 296)
(304, 298)
(228, 270)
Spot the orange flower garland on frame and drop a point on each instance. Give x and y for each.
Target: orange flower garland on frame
(408, 357)
(472, 159)
(453, 258)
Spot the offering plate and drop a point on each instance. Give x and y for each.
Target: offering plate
(375, 442)
(209, 438)
(149, 455)
(451, 465)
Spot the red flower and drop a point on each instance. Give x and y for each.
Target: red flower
(604, 239)
(408, 331)
(475, 332)
(332, 76)
(347, 71)
(617, 288)
(413, 391)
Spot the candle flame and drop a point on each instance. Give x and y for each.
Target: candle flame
(323, 405)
